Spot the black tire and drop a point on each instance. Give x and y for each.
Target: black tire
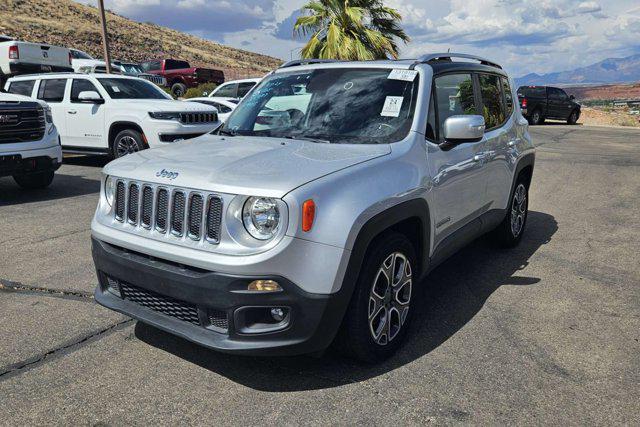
(509, 233)
(573, 117)
(356, 337)
(126, 142)
(536, 118)
(178, 89)
(34, 181)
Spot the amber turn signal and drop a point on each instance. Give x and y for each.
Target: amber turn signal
(308, 215)
(264, 286)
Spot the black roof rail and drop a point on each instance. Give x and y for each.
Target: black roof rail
(297, 62)
(432, 57)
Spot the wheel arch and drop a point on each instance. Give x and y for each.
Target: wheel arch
(117, 127)
(523, 168)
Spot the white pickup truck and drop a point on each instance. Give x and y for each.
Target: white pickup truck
(18, 57)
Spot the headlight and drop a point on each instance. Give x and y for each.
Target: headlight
(165, 116)
(47, 114)
(261, 217)
(110, 189)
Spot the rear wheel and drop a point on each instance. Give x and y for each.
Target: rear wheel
(126, 142)
(34, 181)
(573, 117)
(178, 89)
(537, 118)
(378, 316)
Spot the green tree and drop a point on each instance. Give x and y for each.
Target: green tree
(350, 30)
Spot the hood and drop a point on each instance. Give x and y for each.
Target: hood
(160, 105)
(242, 164)
(10, 97)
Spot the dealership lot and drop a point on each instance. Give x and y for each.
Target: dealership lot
(546, 333)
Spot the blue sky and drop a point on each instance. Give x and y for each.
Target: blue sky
(525, 36)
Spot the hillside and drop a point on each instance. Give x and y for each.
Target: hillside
(605, 92)
(612, 70)
(70, 24)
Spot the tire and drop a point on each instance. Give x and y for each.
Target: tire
(178, 89)
(573, 117)
(126, 142)
(509, 233)
(34, 181)
(536, 118)
(366, 334)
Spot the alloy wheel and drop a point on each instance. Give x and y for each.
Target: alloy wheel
(389, 298)
(127, 145)
(518, 209)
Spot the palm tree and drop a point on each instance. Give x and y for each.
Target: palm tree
(350, 30)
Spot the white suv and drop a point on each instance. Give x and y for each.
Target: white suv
(112, 114)
(29, 144)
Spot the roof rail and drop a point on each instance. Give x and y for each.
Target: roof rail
(297, 62)
(447, 57)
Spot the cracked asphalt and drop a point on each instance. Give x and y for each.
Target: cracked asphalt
(547, 333)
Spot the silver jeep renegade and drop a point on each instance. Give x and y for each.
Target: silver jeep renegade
(314, 214)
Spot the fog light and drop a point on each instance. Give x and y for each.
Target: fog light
(277, 314)
(113, 286)
(264, 286)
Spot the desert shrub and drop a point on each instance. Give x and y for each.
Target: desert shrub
(198, 91)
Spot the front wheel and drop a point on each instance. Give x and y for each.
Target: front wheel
(573, 118)
(510, 231)
(34, 181)
(128, 141)
(378, 316)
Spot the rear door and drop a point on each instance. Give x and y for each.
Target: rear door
(52, 91)
(459, 181)
(85, 122)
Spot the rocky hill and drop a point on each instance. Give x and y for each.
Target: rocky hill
(70, 24)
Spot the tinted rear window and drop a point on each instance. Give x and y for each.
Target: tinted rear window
(52, 90)
(24, 87)
(535, 91)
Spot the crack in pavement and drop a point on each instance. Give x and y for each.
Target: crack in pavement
(16, 287)
(9, 371)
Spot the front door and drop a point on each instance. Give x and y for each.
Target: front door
(85, 122)
(458, 177)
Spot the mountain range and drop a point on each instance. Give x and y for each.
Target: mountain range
(612, 70)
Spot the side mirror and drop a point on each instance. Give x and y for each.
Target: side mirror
(461, 129)
(205, 93)
(90, 97)
(571, 97)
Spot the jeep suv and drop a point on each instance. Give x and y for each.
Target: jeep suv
(319, 207)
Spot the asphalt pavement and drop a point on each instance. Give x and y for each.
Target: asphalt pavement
(546, 333)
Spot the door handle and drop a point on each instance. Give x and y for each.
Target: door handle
(511, 144)
(72, 112)
(479, 157)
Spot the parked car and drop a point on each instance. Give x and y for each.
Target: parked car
(29, 144)
(113, 114)
(225, 106)
(82, 62)
(180, 75)
(98, 69)
(320, 226)
(133, 69)
(545, 102)
(235, 89)
(18, 57)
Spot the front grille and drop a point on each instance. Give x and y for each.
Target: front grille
(162, 304)
(21, 122)
(165, 211)
(160, 81)
(196, 118)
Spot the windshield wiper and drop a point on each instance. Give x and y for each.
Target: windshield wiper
(223, 131)
(308, 138)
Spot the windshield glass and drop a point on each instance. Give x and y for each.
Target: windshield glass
(131, 89)
(337, 105)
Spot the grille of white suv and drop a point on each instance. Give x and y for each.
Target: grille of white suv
(193, 118)
(179, 212)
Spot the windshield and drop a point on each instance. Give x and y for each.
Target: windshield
(131, 89)
(337, 105)
(132, 68)
(78, 54)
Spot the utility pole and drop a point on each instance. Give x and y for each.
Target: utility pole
(105, 43)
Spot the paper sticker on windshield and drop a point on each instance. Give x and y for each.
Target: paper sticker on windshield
(392, 106)
(115, 89)
(405, 75)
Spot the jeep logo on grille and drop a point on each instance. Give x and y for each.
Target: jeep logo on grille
(167, 174)
(8, 118)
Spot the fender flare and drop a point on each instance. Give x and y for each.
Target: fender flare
(124, 124)
(528, 159)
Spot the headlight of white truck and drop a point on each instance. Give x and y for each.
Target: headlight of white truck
(261, 217)
(47, 114)
(110, 189)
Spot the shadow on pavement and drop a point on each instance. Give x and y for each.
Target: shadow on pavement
(91, 161)
(449, 298)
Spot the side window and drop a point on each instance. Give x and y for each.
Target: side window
(508, 95)
(557, 94)
(454, 96)
(24, 87)
(430, 133)
(562, 95)
(81, 85)
(227, 91)
(244, 88)
(492, 106)
(52, 90)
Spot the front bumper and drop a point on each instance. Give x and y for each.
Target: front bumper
(20, 162)
(162, 132)
(167, 290)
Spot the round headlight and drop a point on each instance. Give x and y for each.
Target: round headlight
(261, 217)
(110, 189)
